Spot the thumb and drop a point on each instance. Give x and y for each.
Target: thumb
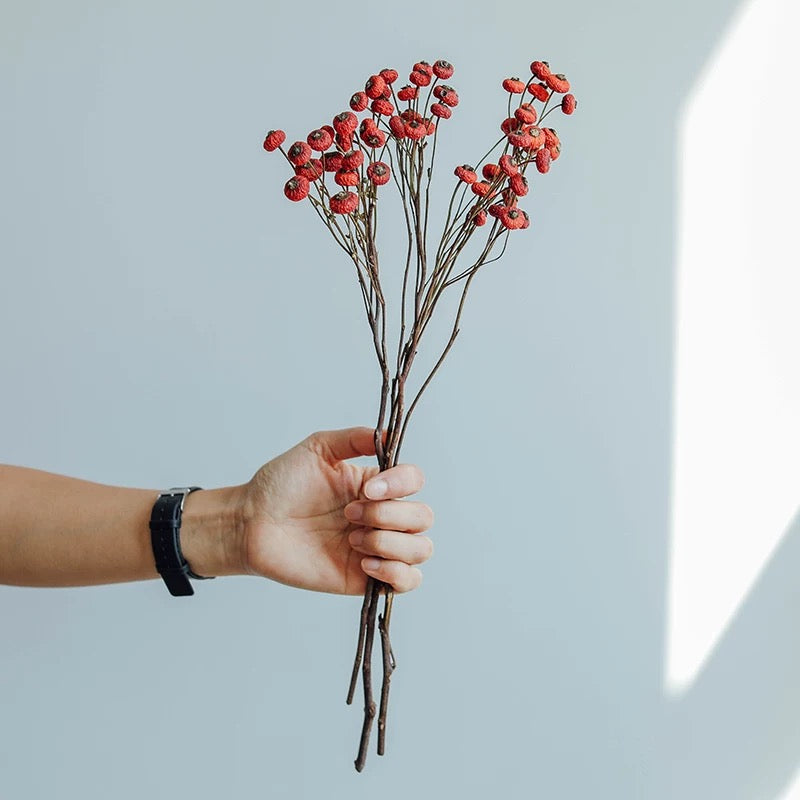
(345, 443)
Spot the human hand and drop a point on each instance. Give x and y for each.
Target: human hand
(301, 525)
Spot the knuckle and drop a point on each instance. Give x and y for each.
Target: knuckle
(377, 543)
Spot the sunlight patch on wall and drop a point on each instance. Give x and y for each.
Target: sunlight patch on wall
(736, 450)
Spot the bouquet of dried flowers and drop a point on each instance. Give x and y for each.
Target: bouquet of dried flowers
(340, 169)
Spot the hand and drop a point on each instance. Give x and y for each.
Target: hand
(302, 525)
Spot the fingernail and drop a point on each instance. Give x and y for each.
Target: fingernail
(354, 511)
(370, 564)
(377, 488)
(357, 537)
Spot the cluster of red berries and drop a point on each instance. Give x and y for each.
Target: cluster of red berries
(352, 150)
(501, 184)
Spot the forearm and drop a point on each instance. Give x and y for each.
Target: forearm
(60, 531)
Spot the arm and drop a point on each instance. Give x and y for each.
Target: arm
(295, 521)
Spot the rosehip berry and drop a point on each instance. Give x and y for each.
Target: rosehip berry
(508, 165)
(478, 216)
(555, 151)
(450, 98)
(537, 135)
(397, 127)
(481, 188)
(389, 75)
(408, 114)
(296, 188)
(512, 219)
(359, 101)
(514, 85)
(466, 173)
(490, 171)
(569, 104)
(440, 110)
(430, 127)
(558, 83)
(443, 69)
(424, 67)
(407, 93)
(496, 209)
(344, 203)
(374, 138)
(526, 220)
(539, 91)
(332, 162)
(509, 125)
(345, 123)
(311, 169)
(522, 140)
(415, 129)
(550, 137)
(352, 160)
(344, 141)
(526, 113)
(419, 78)
(347, 177)
(319, 140)
(299, 153)
(374, 87)
(519, 185)
(543, 160)
(381, 106)
(274, 140)
(379, 173)
(541, 69)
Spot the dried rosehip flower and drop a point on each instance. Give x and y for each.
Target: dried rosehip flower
(526, 113)
(508, 165)
(509, 125)
(512, 218)
(419, 78)
(478, 216)
(526, 220)
(347, 177)
(345, 123)
(490, 171)
(555, 151)
(543, 160)
(424, 67)
(466, 173)
(379, 173)
(311, 169)
(319, 140)
(443, 69)
(330, 130)
(344, 203)
(408, 114)
(407, 93)
(274, 140)
(440, 110)
(541, 69)
(332, 162)
(389, 75)
(569, 103)
(299, 153)
(374, 87)
(481, 188)
(450, 98)
(558, 83)
(523, 140)
(381, 106)
(415, 129)
(550, 137)
(496, 209)
(344, 141)
(514, 85)
(539, 91)
(296, 188)
(537, 134)
(519, 185)
(359, 101)
(430, 127)
(374, 138)
(387, 93)
(353, 159)
(397, 127)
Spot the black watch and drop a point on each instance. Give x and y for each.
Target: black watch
(165, 535)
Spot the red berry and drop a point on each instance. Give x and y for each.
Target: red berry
(526, 113)
(537, 135)
(352, 160)
(274, 140)
(479, 218)
(509, 125)
(514, 85)
(555, 151)
(496, 209)
(558, 83)
(296, 188)
(347, 177)
(430, 127)
(312, 169)
(374, 87)
(408, 114)
(466, 173)
(508, 165)
(424, 67)
(332, 161)
(374, 138)
(344, 141)
(389, 75)
(541, 69)
(519, 185)
(490, 171)
(415, 129)
(512, 218)
(526, 220)
(319, 140)
(359, 101)
(441, 111)
(407, 93)
(569, 103)
(543, 160)
(299, 153)
(539, 91)
(443, 69)
(379, 173)
(344, 203)
(523, 140)
(450, 97)
(345, 123)
(550, 137)
(481, 188)
(381, 106)
(419, 78)
(397, 127)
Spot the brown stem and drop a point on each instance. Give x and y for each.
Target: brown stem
(389, 665)
(366, 675)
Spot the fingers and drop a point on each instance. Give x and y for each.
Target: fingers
(392, 545)
(342, 444)
(401, 577)
(396, 515)
(399, 481)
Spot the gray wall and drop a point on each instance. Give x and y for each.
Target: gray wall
(153, 275)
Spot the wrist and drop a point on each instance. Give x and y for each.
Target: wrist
(212, 532)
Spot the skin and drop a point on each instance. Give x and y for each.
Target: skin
(309, 518)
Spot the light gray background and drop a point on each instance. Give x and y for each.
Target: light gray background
(167, 317)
